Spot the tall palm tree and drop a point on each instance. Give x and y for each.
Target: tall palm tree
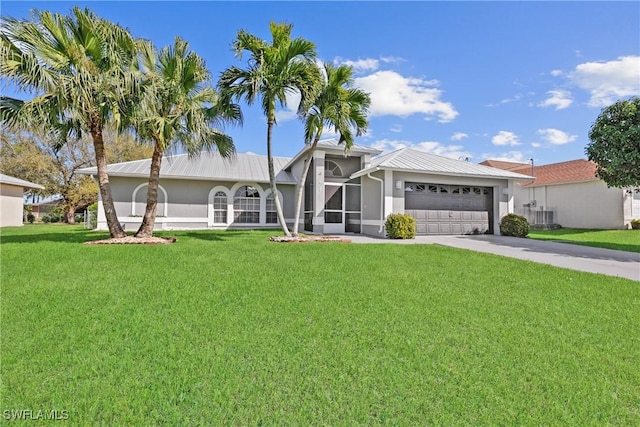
(338, 106)
(178, 107)
(79, 67)
(273, 71)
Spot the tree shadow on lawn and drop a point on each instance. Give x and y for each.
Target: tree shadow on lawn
(212, 235)
(66, 236)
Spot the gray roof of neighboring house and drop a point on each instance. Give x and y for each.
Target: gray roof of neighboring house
(10, 180)
(207, 166)
(410, 160)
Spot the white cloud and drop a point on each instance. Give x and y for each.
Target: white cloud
(291, 110)
(452, 151)
(609, 81)
(516, 98)
(505, 138)
(396, 128)
(509, 156)
(556, 137)
(556, 73)
(558, 98)
(359, 65)
(458, 136)
(536, 145)
(391, 59)
(396, 95)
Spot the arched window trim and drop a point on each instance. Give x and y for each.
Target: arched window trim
(261, 193)
(146, 184)
(267, 194)
(335, 166)
(212, 193)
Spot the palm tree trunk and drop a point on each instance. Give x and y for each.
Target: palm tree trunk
(115, 229)
(300, 187)
(149, 220)
(272, 179)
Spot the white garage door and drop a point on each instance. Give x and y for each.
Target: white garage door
(449, 209)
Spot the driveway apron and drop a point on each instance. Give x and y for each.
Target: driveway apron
(576, 257)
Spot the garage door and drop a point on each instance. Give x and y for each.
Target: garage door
(449, 209)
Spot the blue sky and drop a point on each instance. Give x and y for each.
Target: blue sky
(499, 80)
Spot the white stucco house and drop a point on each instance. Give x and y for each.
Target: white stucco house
(569, 194)
(11, 199)
(351, 193)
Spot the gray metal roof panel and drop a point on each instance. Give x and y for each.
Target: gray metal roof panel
(407, 159)
(208, 166)
(11, 180)
(335, 143)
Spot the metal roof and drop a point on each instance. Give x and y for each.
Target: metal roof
(207, 166)
(10, 180)
(355, 148)
(334, 143)
(410, 160)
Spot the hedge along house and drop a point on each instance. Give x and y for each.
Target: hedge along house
(352, 192)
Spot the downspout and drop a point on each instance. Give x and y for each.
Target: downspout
(381, 200)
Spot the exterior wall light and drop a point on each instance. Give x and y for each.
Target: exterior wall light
(398, 185)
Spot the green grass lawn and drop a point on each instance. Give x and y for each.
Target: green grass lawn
(622, 240)
(226, 328)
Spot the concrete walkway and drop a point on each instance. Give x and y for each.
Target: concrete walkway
(575, 257)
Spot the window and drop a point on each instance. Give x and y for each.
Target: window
(246, 205)
(331, 168)
(220, 207)
(272, 216)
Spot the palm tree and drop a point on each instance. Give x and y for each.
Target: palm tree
(338, 106)
(79, 67)
(273, 71)
(178, 107)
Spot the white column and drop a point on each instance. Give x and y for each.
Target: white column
(388, 193)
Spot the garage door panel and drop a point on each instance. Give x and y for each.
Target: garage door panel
(433, 228)
(449, 209)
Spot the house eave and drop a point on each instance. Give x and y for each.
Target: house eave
(458, 174)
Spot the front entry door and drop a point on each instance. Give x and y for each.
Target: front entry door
(334, 208)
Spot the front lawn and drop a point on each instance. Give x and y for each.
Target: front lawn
(622, 240)
(226, 328)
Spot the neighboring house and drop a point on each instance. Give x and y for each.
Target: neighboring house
(11, 199)
(39, 209)
(343, 193)
(570, 194)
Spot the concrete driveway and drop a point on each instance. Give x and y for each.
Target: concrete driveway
(575, 257)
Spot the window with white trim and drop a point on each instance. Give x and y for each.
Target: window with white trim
(271, 215)
(246, 205)
(331, 168)
(220, 207)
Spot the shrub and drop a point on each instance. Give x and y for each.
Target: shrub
(514, 225)
(635, 224)
(31, 218)
(400, 226)
(52, 216)
(78, 218)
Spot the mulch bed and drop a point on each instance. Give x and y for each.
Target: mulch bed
(305, 239)
(130, 240)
